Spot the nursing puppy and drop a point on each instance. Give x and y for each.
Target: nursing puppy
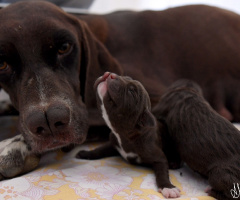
(125, 107)
(207, 142)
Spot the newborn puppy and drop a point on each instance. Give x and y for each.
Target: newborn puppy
(125, 107)
(16, 157)
(207, 142)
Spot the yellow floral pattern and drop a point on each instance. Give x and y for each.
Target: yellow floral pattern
(61, 176)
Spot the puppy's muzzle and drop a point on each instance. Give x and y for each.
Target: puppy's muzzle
(49, 121)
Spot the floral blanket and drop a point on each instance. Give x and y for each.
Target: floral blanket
(60, 176)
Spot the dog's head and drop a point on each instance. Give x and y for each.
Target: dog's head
(126, 103)
(47, 59)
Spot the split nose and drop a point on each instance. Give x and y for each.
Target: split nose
(52, 121)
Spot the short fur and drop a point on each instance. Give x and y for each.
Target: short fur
(206, 141)
(126, 109)
(50, 59)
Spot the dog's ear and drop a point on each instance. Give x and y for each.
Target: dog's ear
(146, 120)
(95, 60)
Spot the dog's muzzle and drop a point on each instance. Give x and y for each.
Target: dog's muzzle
(54, 119)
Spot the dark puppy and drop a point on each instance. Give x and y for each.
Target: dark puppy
(125, 107)
(207, 142)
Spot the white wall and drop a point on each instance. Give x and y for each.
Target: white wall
(105, 6)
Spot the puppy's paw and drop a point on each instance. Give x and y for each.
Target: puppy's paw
(87, 155)
(170, 192)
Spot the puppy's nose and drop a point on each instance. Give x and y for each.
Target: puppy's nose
(54, 120)
(113, 76)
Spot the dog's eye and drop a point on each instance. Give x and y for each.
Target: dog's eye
(3, 66)
(65, 48)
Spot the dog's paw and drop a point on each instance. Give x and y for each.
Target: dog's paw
(16, 158)
(170, 192)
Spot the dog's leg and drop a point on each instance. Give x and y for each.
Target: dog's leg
(160, 169)
(170, 150)
(106, 150)
(16, 157)
(168, 145)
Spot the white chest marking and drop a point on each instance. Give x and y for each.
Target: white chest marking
(124, 154)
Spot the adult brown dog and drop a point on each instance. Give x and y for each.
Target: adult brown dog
(206, 141)
(49, 61)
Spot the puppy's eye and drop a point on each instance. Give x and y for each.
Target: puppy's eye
(65, 48)
(3, 66)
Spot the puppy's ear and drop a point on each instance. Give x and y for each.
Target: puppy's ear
(146, 120)
(95, 60)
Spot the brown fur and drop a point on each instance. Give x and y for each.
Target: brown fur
(134, 129)
(207, 142)
(196, 42)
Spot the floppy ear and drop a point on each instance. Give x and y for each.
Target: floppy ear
(95, 60)
(146, 120)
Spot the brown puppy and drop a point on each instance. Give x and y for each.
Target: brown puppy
(125, 107)
(207, 142)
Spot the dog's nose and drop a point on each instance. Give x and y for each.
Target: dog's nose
(55, 119)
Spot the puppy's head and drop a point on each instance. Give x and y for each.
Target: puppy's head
(40, 65)
(125, 105)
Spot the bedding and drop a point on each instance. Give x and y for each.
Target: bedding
(61, 176)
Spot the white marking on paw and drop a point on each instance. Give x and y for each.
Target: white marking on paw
(7, 146)
(170, 192)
